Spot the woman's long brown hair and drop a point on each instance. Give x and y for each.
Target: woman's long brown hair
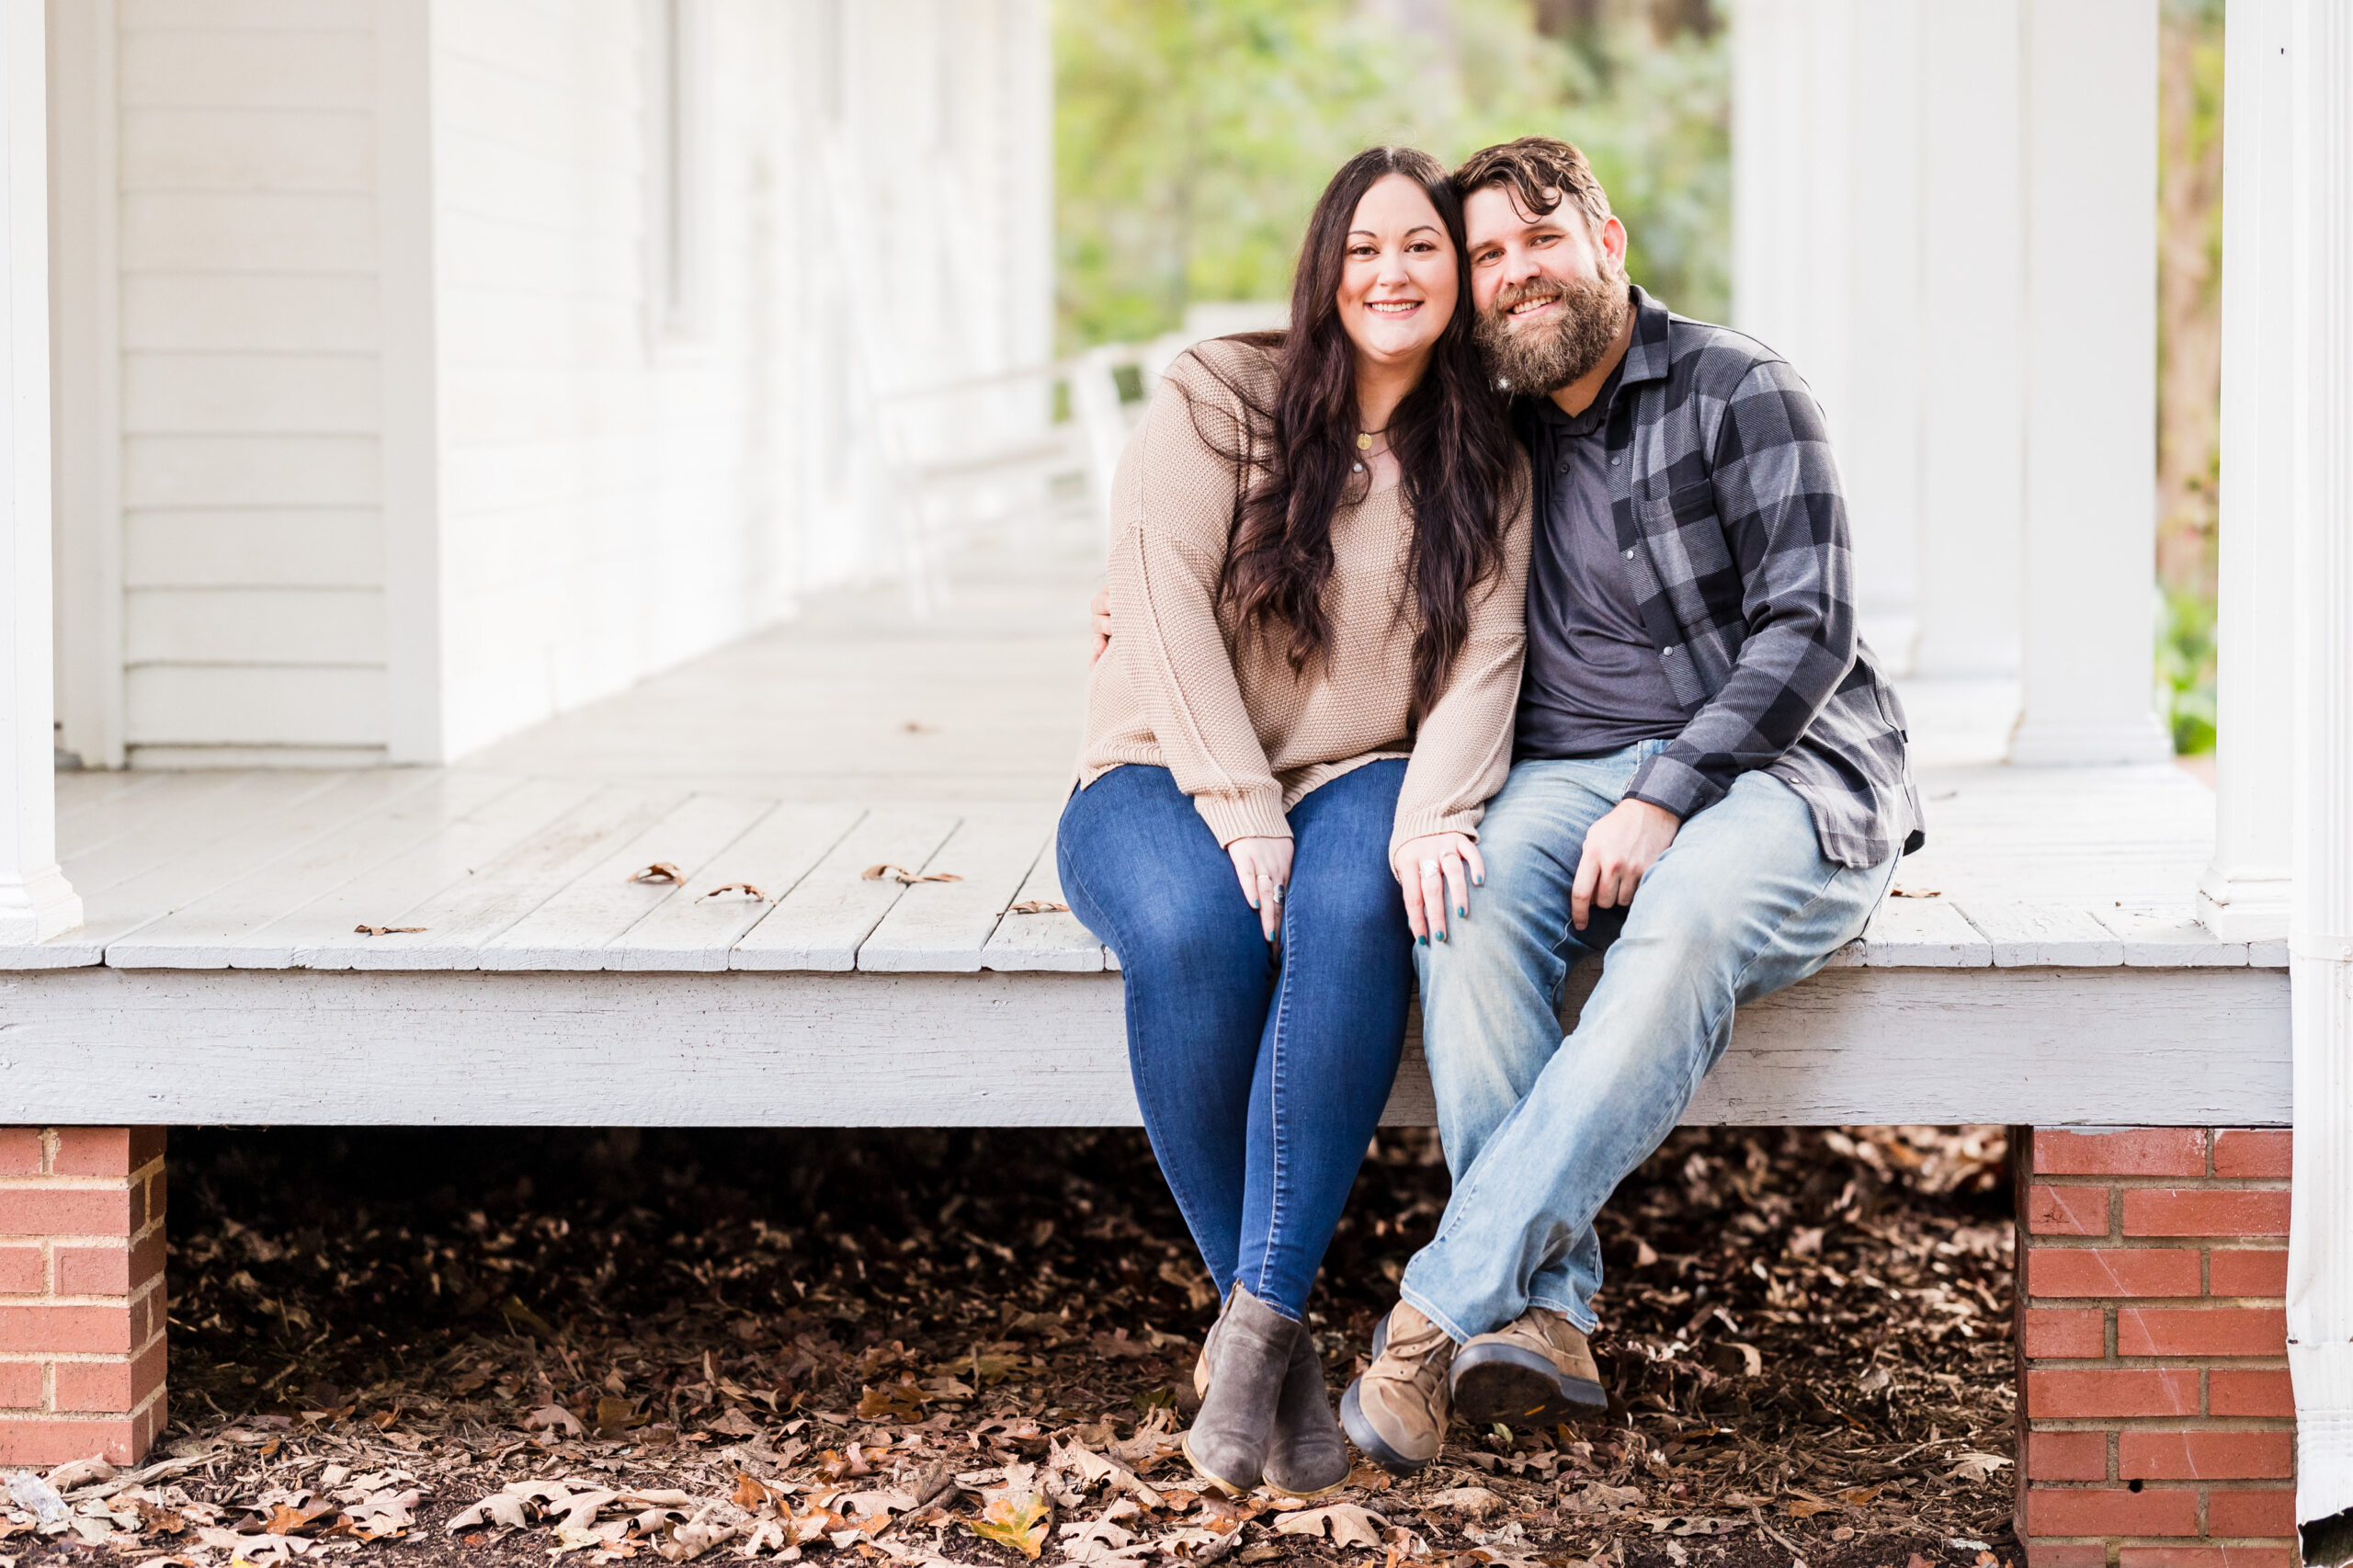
(1452, 445)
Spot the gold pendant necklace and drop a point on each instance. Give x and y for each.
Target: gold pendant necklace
(1364, 440)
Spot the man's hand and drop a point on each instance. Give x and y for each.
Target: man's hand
(1098, 612)
(1263, 867)
(1618, 850)
(1433, 871)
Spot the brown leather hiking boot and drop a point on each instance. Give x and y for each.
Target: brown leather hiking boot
(1533, 1371)
(1396, 1412)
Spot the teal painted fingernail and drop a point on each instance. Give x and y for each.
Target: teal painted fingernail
(1424, 941)
(1463, 911)
(1478, 881)
(1441, 936)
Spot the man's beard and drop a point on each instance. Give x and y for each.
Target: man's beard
(1547, 356)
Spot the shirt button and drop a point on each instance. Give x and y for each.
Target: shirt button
(1614, 462)
(1630, 555)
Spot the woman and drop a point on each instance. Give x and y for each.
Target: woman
(1317, 584)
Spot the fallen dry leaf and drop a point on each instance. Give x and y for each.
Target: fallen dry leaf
(554, 1416)
(385, 931)
(1914, 892)
(619, 1415)
(1475, 1501)
(660, 871)
(1040, 907)
(746, 889)
(1351, 1525)
(1019, 1523)
(903, 1401)
(904, 877)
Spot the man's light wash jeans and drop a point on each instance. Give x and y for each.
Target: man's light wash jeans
(1539, 1130)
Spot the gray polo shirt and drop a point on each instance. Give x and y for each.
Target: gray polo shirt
(1594, 683)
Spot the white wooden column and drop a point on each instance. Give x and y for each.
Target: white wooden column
(2320, 1238)
(2090, 349)
(1827, 270)
(1971, 440)
(35, 901)
(2244, 894)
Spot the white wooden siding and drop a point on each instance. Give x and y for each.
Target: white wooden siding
(612, 505)
(251, 472)
(618, 498)
(390, 450)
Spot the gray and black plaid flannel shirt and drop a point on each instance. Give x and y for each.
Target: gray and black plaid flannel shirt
(1734, 533)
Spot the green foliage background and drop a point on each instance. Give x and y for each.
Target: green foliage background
(1192, 136)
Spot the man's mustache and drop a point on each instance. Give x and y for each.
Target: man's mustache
(1515, 295)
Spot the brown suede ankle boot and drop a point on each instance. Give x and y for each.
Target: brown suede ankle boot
(1307, 1457)
(1229, 1438)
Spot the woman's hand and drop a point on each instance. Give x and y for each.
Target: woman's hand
(1099, 615)
(1436, 872)
(1263, 865)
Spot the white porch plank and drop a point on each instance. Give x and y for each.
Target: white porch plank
(395, 890)
(575, 929)
(2268, 955)
(820, 925)
(202, 867)
(221, 928)
(82, 788)
(2056, 1047)
(2169, 937)
(125, 812)
(696, 931)
(946, 926)
(1050, 941)
(191, 822)
(458, 920)
(2033, 935)
(1923, 933)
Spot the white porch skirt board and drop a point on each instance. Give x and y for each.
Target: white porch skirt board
(2054, 1047)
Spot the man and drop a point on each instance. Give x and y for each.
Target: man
(1709, 790)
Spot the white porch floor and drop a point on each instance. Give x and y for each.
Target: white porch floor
(860, 736)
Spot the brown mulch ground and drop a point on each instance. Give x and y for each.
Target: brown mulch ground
(973, 1345)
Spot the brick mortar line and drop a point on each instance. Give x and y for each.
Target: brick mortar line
(14, 1412)
(2236, 1483)
(2240, 1423)
(67, 1183)
(2169, 1303)
(44, 1300)
(2170, 1184)
(154, 1396)
(49, 1358)
(2051, 1241)
(2114, 1240)
(2163, 1302)
(2175, 1542)
(2267, 1361)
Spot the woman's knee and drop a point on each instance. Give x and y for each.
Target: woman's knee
(1355, 904)
(1190, 932)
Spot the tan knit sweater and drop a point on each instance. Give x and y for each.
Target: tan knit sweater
(1245, 736)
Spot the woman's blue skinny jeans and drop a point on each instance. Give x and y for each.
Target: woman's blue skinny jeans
(1261, 1069)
